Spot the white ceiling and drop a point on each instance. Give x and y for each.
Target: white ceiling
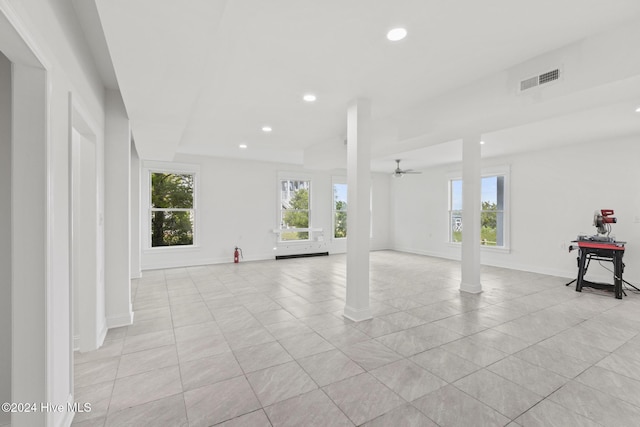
(204, 76)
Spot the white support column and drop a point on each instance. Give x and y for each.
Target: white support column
(471, 188)
(117, 147)
(358, 206)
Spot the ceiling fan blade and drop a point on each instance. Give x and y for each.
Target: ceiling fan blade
(398, 173)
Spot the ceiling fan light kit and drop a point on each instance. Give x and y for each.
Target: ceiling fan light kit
(399, 173)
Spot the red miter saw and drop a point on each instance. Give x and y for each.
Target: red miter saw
(602, 220)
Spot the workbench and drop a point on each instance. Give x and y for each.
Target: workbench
(600, 251)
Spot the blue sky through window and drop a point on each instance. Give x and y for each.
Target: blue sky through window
(489, 192)
(340, 192)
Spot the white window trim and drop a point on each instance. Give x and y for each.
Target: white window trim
(293, 176)
(149, 167)
(502, 170)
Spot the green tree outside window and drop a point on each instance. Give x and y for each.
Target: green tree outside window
(340, 210)
(171, 209)
(295, 210)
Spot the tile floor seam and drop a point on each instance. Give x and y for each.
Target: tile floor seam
(608, 394)
(571, 409)
(537, 297)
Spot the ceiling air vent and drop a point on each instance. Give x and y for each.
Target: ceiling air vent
(541, 79)
(549, 76)
(529, 83)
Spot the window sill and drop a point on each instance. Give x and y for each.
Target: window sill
(484, 248)
(163, 249)
(498, 249)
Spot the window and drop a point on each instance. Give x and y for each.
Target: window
(339, 211)
(455, 210)
(294, 209)
(172, 209)
(492, 211)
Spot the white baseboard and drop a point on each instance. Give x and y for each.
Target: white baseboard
(103, 334)
(68, 415)
(191, 262)
(124, 319)
(569, 273)
(357, 315)
(471, 288)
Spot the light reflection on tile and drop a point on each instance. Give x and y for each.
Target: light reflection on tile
(236, 331)
(446, 365)
(405, 415)
(450, 407)
(371, 354)
(169, 411)
(280, 382)
(329, 367)
(502, 395)
(596, 405)
(363, 398)
(209, 370)
(252, 419)
(146, 387)
(407, 379)
(313, 409)
(550, 414)
(531, 377)
(219, 402)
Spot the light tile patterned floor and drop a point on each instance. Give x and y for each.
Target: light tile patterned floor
(264, 343)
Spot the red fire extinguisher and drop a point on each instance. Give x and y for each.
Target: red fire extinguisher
(237, 254)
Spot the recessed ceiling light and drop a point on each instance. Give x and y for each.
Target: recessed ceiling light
(266, 128)
(482, 142)
(309, 97)
(638, 110)
(242, 146)
(396, 34)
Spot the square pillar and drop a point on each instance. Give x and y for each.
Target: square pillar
(358, 209)
(471, 204)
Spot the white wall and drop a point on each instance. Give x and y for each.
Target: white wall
(5, 234)
(30, 228)
(135, 250)
(238, 206)
(89, 297)
(117, 212)
(553, 195)
(57, 46)
(381, 211)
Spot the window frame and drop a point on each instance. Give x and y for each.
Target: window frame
(279, 215)
(505, 172)
(337, 181)
(450, 210)
(151, 167)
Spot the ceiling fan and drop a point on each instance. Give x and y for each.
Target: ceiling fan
(399, 173)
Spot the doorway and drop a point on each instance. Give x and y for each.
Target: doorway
(88, 301)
